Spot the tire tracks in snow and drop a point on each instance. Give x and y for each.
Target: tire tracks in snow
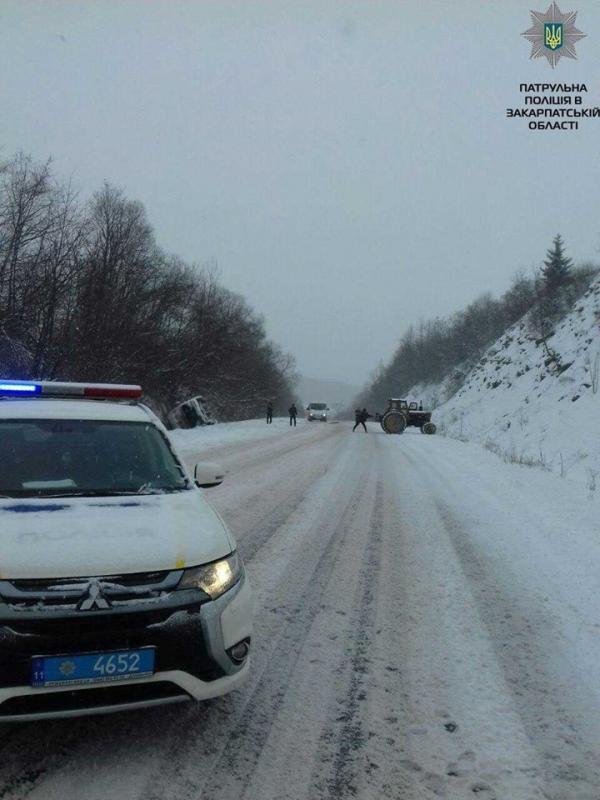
(243, 737)
(338, 731)
(289, 609)
(255, 516)
(247, 456)
(343, 744)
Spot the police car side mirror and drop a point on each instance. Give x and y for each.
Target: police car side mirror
(207, 474)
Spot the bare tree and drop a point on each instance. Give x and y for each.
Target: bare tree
(87, 294)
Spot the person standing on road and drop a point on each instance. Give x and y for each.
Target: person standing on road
(269, 412)
(361, 418)
(293, 412)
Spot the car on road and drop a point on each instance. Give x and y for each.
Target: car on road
(120, 586)
(317, 411)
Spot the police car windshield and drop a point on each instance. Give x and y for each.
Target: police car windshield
(49, 457)
(318, 406)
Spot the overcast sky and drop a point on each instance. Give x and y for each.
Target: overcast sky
(347, 165)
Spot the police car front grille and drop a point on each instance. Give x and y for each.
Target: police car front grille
(48, 584)
(37, 594)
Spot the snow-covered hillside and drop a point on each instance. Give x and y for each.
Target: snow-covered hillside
(526, 406)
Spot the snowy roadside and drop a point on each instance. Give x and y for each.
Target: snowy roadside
(210, 437)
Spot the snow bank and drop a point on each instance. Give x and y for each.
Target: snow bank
(527, 408)
(210, 437)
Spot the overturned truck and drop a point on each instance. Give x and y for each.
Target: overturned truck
(400, 414)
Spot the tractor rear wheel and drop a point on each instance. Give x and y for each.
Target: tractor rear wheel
(393, 422)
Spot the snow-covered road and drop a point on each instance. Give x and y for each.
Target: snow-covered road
(427, 625)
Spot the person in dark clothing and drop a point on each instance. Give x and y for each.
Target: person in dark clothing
(361, 417)
(269, 412)
(293, 412)
(190, 415)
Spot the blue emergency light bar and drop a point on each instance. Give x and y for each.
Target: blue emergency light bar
(98, 391)
(14, 387)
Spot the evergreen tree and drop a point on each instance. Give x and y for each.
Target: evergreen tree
(557, 267)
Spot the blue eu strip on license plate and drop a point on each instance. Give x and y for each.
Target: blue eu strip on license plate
(86, 668)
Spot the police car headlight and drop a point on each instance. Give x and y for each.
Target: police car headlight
(214, 579)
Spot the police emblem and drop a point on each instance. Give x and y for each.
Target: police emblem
(553, 34)
(67, 668)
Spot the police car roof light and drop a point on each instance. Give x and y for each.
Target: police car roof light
(97, 391)
(106, 390)
(16, 387)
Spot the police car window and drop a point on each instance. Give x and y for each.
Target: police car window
(42, 457)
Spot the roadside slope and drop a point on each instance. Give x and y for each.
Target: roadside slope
(528, 406)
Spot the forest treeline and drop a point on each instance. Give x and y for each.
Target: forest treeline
(447, 348)
(87, 294)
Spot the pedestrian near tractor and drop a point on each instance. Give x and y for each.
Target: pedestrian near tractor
(269, 412)
(293, 412)
(361, 416)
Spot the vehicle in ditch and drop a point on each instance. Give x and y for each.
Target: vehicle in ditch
(400, 414)
(192, 413)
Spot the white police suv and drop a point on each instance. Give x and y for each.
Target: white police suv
(120, 586)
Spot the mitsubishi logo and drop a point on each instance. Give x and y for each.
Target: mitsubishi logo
(93, 598)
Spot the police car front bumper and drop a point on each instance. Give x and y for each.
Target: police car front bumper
(193, 662)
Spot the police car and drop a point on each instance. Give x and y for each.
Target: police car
(120, 586)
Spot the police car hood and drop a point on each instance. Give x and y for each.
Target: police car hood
(89, 536)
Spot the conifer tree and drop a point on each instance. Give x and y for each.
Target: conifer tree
(556, 271)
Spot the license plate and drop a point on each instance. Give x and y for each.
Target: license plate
(86, 668)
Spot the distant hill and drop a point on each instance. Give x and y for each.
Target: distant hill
(335, 393)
